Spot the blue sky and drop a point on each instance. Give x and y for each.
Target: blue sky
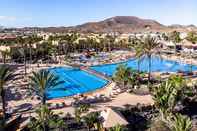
(19, 13)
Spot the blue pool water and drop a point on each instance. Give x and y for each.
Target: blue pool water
(157, 63)
(75, 81)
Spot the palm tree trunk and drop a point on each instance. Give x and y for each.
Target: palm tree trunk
(88, 128)
(175, 48)
(4, 59)
(30, 56)
(25, 64)
(124, 84)
(44, 100)
(3, 103)
(191, 62)
(109, 47)
(149, 68)
(138, 65)
(46, 128)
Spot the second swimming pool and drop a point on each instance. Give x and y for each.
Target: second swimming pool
(157, 65)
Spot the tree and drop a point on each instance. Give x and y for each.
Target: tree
(149, 47)
(159, 125)
(23, 50)
(31, 41)
(102, 44)
(70, 38)
(175, 37)
(4, 54)
(168, 94)
(192, 37)
(192, 93)
(92, 120)
(5, 76)
(77, 115)
(109, 40)
(46, 120)
(127, 76)
(122, 75)
(45, 50)
(117, 128)
(181, 123)
(135, 78)
(42, 81)
(165, 36)
(138, 52)
(163, 98)
(82, 108)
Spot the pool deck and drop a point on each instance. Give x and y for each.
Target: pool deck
(98, 74)
(119, 101)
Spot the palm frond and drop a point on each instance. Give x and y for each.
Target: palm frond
(42, 81)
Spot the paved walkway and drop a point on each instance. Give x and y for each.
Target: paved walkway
(119, 101)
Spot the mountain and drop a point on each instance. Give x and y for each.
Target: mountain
(1, 27)
(121, 24)
(185, 28)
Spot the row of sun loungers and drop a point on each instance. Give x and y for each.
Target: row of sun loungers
(117, 90)
(56, 105)
(91, 99)
(107, 58)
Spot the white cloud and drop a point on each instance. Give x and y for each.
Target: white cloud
(7, 18)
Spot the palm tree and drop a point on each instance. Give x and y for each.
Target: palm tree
(168, 94)
(149, 47)
(23, 50)
(5, 54)
(5, 76)
(46, 120)
(192, 37)
(78, 115)
(30, 41)
(134, 78)
(177, 81)
(23, 53)
(165, 36)
(175, 37)
(164, 99)
(82, 108)
(117, 128)
(92, 120)
(45, 50)
(138, 51)
(122, 75)
(71, 38)
(181, 123)
(42, 81)
(110, 41)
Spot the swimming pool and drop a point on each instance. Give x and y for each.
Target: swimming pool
(158, 65)
(75, 81)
